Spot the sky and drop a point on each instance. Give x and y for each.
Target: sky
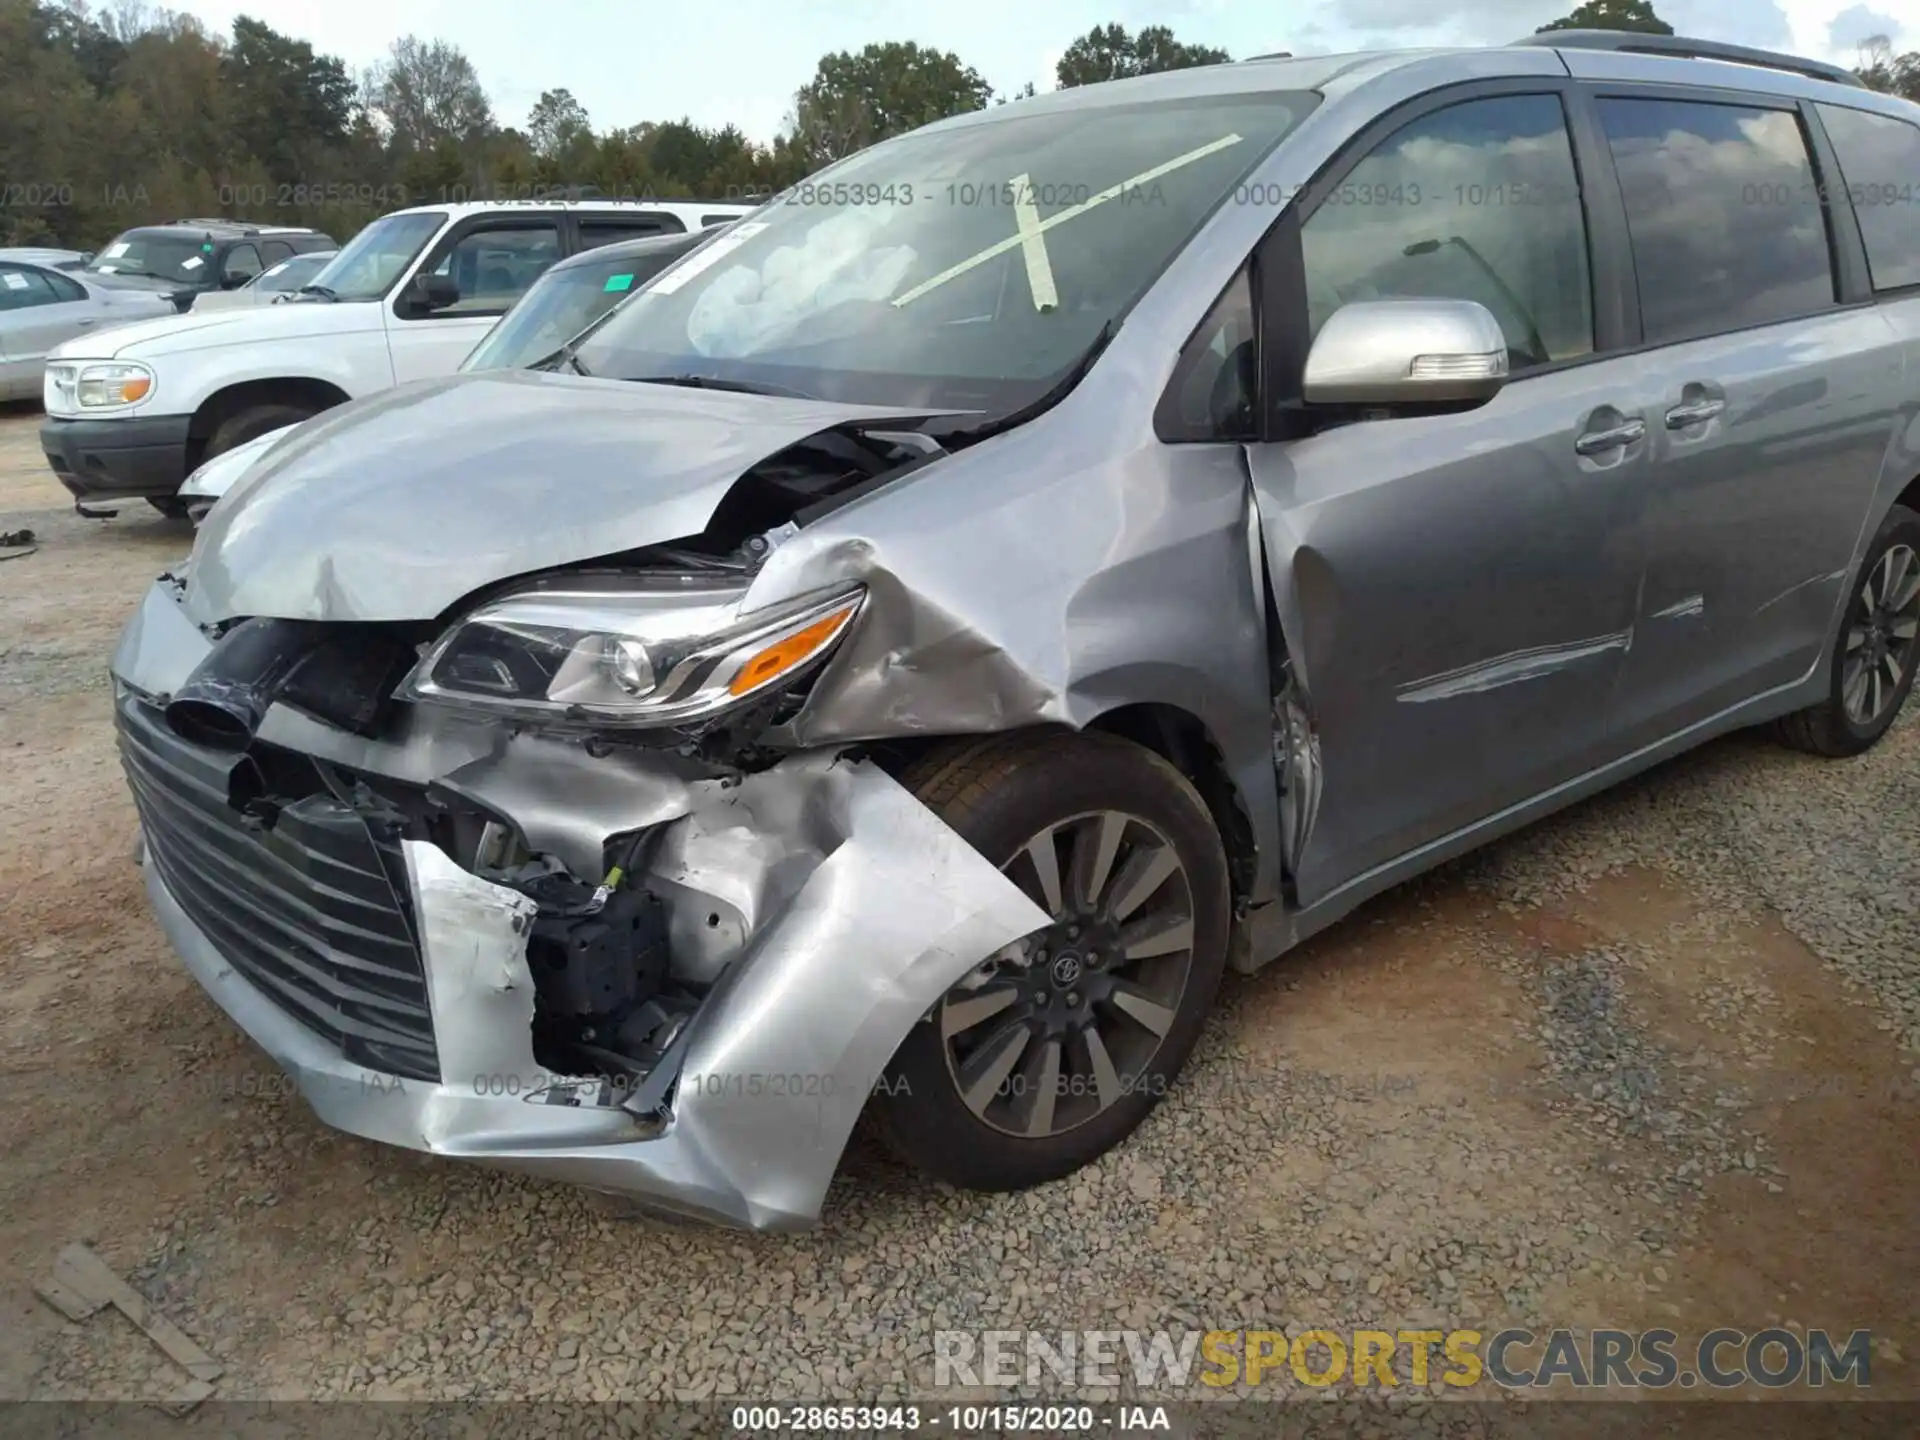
(739, 61)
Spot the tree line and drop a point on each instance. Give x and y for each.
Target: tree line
(136, 114)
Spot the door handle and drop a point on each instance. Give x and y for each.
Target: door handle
(1697, 412)
(1598, 442)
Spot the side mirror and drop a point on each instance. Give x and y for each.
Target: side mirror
(1407, 352)
(427, 293)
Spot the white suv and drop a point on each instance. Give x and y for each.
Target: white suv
(132, 412)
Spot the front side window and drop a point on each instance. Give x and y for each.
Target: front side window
(1723, 214)
(1216, 380)
(626, 227)
(241, 265)
(968, 266)
(272, 252)
(495, 265)
(373, 261)
(1479, 201)
(1880, 162)
(562, 304)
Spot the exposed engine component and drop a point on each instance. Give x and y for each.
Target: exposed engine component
(342, 674)
(594, 958)
(226, 697)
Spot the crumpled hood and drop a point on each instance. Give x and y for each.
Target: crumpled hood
(396, 506)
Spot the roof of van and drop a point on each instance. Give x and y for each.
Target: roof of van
(689, 211)
(1596, 54)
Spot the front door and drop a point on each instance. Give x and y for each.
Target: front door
(1458, 589)
(493, 261)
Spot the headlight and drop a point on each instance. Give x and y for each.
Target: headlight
(637, 652)
(102, 387)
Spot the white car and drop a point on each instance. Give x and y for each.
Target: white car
(132, 413)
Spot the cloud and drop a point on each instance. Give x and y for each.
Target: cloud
(1744, 22)
(1858, 24)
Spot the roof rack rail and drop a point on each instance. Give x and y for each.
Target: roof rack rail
(1273, 55)
(1681, 47)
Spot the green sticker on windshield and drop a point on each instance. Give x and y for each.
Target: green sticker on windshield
(619, 282)
(207, 249)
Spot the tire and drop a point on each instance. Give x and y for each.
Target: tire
(251, 424)
(1063, 791)
(1881, 617)
(171, 506)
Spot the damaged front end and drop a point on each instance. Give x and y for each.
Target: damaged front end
(525, 886)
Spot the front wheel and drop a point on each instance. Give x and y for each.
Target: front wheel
(1874, 652)
(251, 424)
(1051, 1052)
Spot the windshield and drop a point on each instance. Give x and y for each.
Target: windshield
(369, 265)
(291, 274)
(564, 302)
(962, 268)
(181, 258)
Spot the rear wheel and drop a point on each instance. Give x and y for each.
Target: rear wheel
(1051, 1052)
(1874, 652)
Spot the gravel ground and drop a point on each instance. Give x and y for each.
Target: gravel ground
(1653, 1062)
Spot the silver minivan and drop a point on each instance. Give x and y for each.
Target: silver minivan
(895, 660)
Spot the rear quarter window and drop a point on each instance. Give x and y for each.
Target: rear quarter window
(1880, 167)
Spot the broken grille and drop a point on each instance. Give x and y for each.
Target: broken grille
(312, 911)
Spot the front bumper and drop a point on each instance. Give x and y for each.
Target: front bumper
(841, 907)
(137, 458)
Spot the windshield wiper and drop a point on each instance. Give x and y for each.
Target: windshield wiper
(1033, 409)
(324, 292)
(563, 356)
(708, 382)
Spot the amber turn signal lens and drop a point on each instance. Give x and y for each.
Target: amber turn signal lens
(134, 389)
(784, 655)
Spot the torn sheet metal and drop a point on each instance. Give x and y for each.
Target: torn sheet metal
(866, 909)
(785, 1054)
(473, 948)
(566, 803)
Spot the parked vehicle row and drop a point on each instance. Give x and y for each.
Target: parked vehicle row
(190, 258)
(131, 414)
(44, 303)
(901, 656)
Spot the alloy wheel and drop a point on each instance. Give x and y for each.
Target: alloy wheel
(1060, 1026)
(1880, 636)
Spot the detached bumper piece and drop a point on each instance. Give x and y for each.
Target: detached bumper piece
(312, 911)
(138, 458)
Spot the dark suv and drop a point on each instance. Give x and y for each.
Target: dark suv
(187, 257)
